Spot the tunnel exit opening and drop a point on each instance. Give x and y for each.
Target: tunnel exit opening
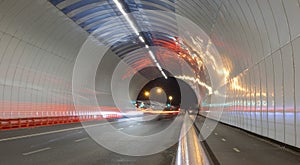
(167, 94)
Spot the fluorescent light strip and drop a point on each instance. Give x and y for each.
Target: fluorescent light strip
(141, 39)
(157, 64)
(120, 7)
(152, 55)
(159, 67)
(163, 73)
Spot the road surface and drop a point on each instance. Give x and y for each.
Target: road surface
(70, 144)
(232, 146)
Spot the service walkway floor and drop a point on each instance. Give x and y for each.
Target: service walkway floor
(232, 146)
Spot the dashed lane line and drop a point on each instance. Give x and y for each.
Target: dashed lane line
(36, 151)
(236, 150)
(82, 139)
(52, 132)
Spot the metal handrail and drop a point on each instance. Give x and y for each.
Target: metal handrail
(190, 151)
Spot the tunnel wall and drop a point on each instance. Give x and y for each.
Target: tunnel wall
(261, 39)
(38, 47)
(257, 39)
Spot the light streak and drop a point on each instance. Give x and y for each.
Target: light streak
(141, 39)
(120, 7)
(196, 80)
(136, 31)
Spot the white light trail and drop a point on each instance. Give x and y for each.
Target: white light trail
(141, 39)
(159, 67)
(196, 80)
(152, 55)
(136, 31)
(163, 73)
(120, 7)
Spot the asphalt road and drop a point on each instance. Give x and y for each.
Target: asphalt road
(71, 144)
(232, 146)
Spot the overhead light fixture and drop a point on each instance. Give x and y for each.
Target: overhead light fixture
(135, 29)
(141, 39)
(152, 55)
(159, 90)
(159, 67)
(147, 94)
(163, 73)
(120, 7)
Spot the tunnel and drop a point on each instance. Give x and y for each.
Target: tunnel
(235, 62)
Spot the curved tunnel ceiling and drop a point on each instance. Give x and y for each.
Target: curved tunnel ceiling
(257, 40)
(115, 31)
(156, 28)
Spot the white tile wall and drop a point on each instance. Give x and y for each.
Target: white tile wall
(267, 33)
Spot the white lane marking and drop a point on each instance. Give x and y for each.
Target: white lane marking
(236, 150)
(36, 151)
(52, 132)
(224, 140)
(120, 129)
(82, 139)
(130, 126)
(216, 133)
